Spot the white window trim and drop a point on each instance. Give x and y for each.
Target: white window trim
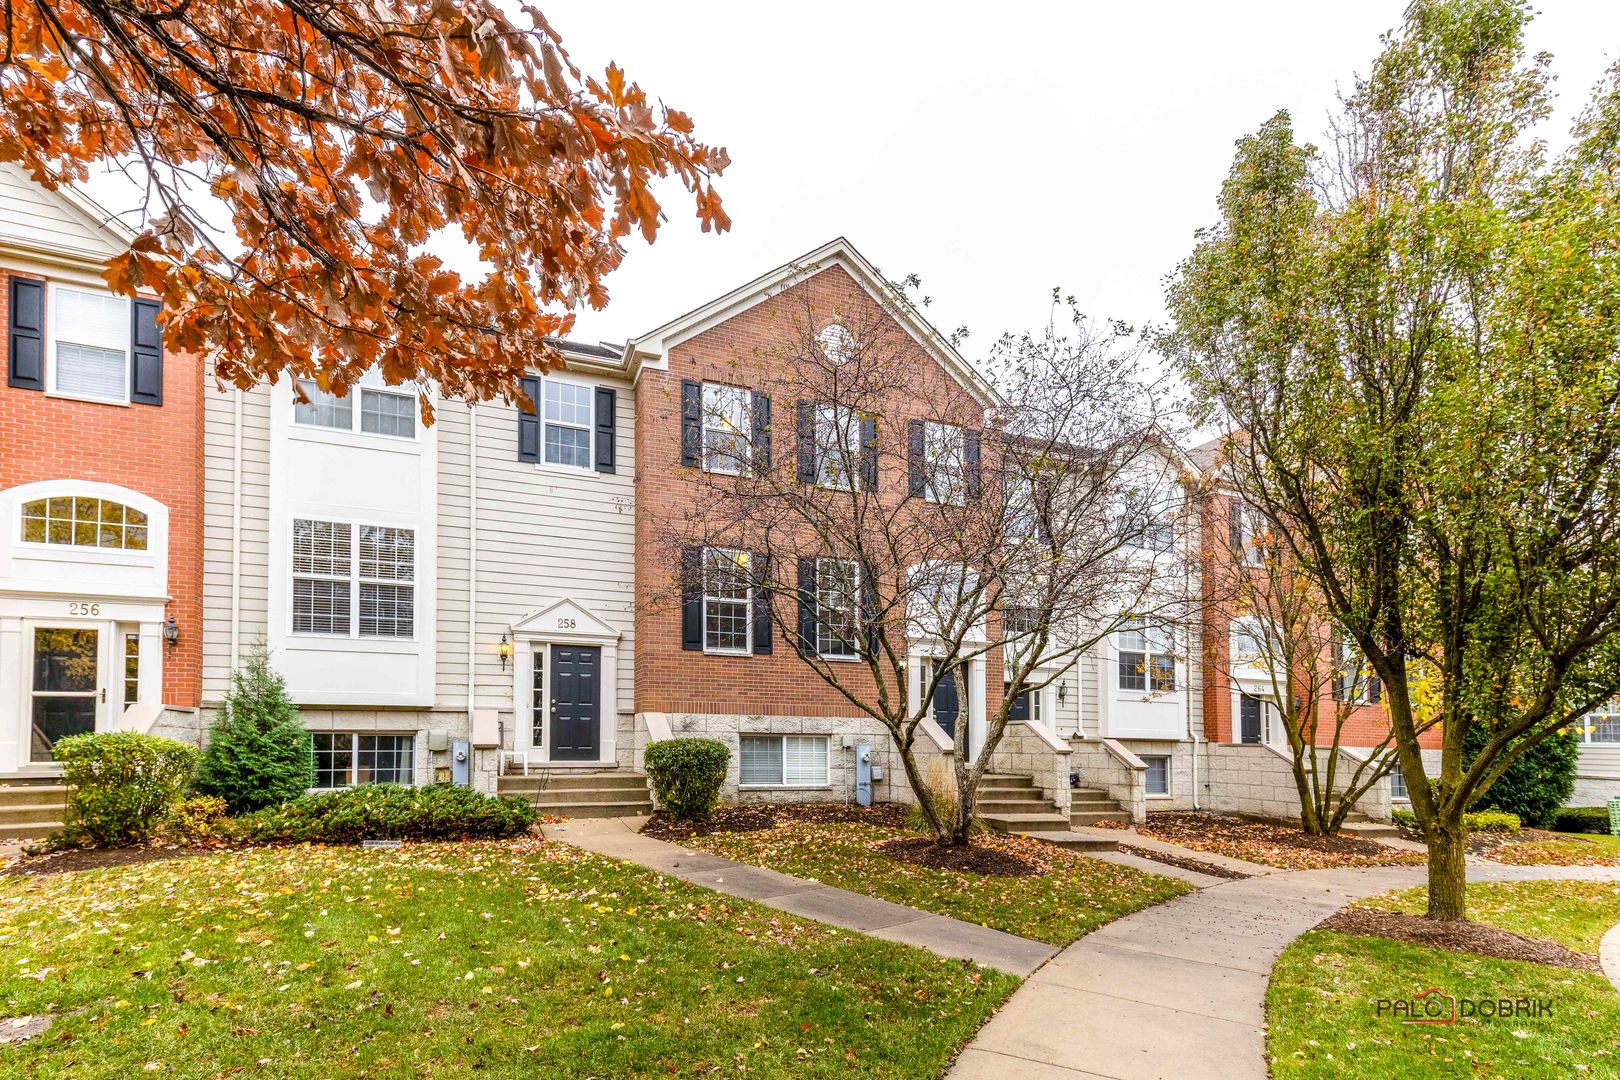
(1148, 654)
(568, 379)
(356, 399)
(51, 288)
(356, 580)
(1169, 777)
(855, 613)
(781, 740)
(354, 755)
(828, 413)
(748, 604)
(704, 427)
(1610, 712)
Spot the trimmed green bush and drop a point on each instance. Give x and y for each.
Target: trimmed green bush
(1582, 819)
(197, 819)
(123, 784)
(1473, 821)
(1538, 781)
(686, 775)
(389, 812)
(259, 752)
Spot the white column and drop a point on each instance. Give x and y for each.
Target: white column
(150, 673)
(14, 687)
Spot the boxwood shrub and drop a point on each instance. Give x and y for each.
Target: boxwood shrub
(686, 775)
(1473, 820)
(122, 784)
(389, 812)
(1582, 819)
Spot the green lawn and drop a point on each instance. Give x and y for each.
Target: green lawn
(1572, 913)
(519, 959)
(1073, 897)
(1323, 1019)
(1585, 849)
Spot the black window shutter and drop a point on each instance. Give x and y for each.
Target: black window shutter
(869, 612)
(607, 418)
(1375, 689)
(970, 457)
(26, 342)
(1234, 518)
(692, 599)
(691, 423)
(869, 452)
(762, 433)
(807, 442)
(529, 420)
(759, 563)
(1043, 510)
(145, 354)
(807, 606)
(917, 456)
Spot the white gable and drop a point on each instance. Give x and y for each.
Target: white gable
(56, 225)
(564, 621)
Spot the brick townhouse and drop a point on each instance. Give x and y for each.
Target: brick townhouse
(100, 491)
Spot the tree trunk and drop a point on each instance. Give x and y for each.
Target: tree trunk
(1448, 881)
(962, 830)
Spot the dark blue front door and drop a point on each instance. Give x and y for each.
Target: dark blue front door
(1248, 718)
(947, 704)
(576, 702)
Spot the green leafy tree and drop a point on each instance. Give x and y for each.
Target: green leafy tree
(1415, 332)
(259, 752)
(1538, 782)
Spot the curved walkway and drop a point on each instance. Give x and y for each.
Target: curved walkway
(1178, 990)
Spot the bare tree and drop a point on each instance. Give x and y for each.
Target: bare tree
(921, 524)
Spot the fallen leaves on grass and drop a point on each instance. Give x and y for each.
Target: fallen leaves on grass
(1469, 937)
(1271, 844)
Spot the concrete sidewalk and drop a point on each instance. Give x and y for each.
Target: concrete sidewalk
(1178, 990)
(618, 838)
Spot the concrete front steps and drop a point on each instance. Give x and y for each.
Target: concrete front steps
(580, 793)
(31, 807)
(1089, 806)
(1013, 804)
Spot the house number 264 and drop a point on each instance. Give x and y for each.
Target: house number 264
(79, 607)
(565, 624)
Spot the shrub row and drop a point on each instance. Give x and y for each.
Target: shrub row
(1491, 821)
(1581, 819)
(389, 812)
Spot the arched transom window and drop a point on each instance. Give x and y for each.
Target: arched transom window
(81, 521)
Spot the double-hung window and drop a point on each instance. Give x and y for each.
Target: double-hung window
(838, 588)
(343, 759)
(383, 409)
(1397, 783)
(90, 332)
(1354, 683)
(782, 760)
(1147, 659)
(838, 446)
(1602, 725)
(1153, 531)
(1157, 780)
(1248, 644)
(945, 462)
(728, 595)
(352, 580)
(568, 413)
(727, 427)
(1249, 539)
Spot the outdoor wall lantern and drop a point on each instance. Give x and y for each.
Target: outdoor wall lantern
(1063, 690)
(171, 632)
(505, 649)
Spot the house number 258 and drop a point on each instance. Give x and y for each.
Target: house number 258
(78, 607)
(565, 624)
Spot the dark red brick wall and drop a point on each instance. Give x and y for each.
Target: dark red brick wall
(156, 450)
(745, 350)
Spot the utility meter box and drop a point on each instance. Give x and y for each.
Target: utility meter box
(438, 740)
(461, 763)
(486, 728)
(863, 774)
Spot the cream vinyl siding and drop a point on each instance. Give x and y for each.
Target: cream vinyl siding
(545, 534)
(1598, 761)
(219, 485)
(32, 217)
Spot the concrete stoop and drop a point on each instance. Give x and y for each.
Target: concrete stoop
(579, 793)
(1009, 803)
(31, 807)
(1090, 806)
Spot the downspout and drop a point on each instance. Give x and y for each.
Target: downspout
(236, 529)
(472, 559)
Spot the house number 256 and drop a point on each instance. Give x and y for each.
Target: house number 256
(565, 624)
(79, 607)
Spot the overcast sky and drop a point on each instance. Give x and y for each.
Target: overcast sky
(996, 150)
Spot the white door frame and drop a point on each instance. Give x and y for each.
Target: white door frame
(565, 622)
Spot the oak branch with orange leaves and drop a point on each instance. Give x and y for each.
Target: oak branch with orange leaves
(340, 137)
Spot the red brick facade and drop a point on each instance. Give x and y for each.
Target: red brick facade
(745, 350)
(155, 450)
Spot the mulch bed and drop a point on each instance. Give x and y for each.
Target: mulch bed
(70, 859)
(1271, 843)
(1468, 937)
(754, 817)
(971, 859)
(1212, 869)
